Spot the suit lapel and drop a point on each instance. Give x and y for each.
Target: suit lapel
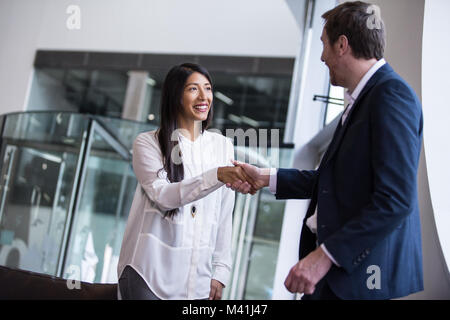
(335, 143)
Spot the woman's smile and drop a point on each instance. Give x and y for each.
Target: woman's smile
(202, 107)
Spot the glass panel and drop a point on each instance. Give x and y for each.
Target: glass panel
(244, 102)
(99, 92)
(46, 127)
(39, 156)
(125, 130)
(244, 216)
(261, 270)
(264, 247)
(50, 92)
(103, 207)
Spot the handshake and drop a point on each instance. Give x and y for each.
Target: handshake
(244, 178)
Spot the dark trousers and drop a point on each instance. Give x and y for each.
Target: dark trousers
(133, 287)
(322, 292)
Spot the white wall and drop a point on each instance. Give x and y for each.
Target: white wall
(20, 23)
(435, 71)
(264, 28)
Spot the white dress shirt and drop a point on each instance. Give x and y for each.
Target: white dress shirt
(178, 257)
(351, 98)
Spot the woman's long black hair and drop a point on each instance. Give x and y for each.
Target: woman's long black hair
(171, 107)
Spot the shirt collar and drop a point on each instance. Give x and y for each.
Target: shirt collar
(351, 97)
(348, 97)
(186, 139)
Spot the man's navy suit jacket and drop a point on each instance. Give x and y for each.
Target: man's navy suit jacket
(366, 194)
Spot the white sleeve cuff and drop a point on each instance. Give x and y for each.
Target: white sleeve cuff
(210, 178)
(329, 254)
(273, 180)
(222, 274)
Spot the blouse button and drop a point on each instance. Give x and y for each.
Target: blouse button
(193, 211)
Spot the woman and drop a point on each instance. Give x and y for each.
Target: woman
(178, 236)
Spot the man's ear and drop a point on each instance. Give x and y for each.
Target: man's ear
(342, 45)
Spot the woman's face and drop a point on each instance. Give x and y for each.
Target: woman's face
(197, 98)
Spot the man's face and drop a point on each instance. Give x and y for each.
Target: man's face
(331, 58)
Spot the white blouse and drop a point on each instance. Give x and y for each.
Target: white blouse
(178, 257)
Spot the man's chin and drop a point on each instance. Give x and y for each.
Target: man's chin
(336, 83)
(333, 80)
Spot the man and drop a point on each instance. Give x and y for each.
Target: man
(361, 236)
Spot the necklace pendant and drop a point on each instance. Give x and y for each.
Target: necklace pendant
(193, 211)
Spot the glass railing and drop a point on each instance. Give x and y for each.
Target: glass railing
(39, 157)
(65, 192)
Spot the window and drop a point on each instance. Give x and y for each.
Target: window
(335, 104)
(249, 92)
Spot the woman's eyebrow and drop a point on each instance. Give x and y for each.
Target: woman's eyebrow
(196, 83)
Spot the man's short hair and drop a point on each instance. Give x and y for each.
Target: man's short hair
(361, 23)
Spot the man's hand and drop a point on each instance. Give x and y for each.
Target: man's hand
(304, 276)
(216, 290)
(258, 178)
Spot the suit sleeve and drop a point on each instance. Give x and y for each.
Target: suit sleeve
(396, 130)
(295, 184)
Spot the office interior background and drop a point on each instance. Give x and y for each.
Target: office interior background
(75, 93)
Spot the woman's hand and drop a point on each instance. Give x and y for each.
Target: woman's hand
(230, 175)
(216, 290)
